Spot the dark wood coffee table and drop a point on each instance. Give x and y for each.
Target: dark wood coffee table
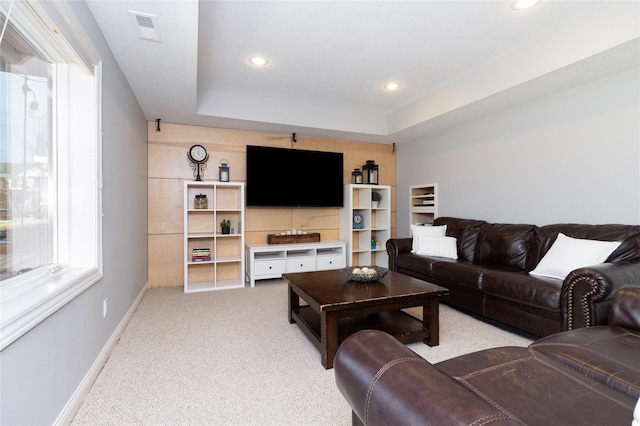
(336, 307)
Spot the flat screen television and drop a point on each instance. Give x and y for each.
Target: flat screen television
(281, 177)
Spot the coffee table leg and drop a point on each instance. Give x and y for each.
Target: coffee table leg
(431, 321)
(328, 338)
(294, 303)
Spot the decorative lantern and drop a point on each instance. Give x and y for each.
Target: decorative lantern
(370, 173)
(356, 176)
(224, 171)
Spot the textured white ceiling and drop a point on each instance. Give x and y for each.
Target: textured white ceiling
(329, 60)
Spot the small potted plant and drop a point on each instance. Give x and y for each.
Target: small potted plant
(375, 199)
(225, 224)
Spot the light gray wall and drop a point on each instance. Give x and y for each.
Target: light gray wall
(41, 370)
(573, 156)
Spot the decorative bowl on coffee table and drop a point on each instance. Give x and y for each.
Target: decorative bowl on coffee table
(374, 273)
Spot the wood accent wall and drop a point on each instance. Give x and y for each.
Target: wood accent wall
(169, 168)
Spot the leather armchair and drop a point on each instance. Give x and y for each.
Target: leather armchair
(583, 376)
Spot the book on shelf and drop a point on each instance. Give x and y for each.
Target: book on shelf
(201, 258)
(201, 255)
(200, 251)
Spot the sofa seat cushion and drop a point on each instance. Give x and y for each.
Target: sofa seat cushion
(413, 262)
(460, 272)
(477, 361)
(520, 287)
(534, 391)
(610, 355)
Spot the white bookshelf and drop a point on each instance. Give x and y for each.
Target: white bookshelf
(202, 230)
(423, 199)
(376, 222)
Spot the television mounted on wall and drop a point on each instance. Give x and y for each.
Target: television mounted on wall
(282, 177)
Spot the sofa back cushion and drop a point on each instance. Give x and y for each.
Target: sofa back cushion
(629, 235)
(465, 231)
(504, 244)
(628, 250)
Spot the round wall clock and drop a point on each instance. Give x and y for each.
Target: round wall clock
(358, 222)
(198, 156)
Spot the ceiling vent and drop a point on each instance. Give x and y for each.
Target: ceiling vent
(145, 25)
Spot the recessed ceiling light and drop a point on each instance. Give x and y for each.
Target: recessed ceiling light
(258, 60)
(524, 4)
(392, 86)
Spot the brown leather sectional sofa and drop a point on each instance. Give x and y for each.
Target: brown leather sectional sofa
(491, 275)
(587, 376)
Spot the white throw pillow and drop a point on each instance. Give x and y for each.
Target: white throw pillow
(567, 254)
(437, 246)
(636, 414)
(428, 230)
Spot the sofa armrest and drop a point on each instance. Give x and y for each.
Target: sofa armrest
(393, 385)
(395, 247)
(587, 292)
(625, 308)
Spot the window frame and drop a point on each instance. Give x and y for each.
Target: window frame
(28, 299)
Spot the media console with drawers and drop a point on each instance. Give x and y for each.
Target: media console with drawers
(265, 261)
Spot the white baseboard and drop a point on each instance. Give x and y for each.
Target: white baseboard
(73, 405)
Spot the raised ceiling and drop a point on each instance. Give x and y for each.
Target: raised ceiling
(329, 60)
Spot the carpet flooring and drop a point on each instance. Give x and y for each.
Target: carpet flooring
(231, 358)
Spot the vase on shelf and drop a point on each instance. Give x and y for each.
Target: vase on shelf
(225, 226)
(375, 199)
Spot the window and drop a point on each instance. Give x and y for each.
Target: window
(26, 233)
(50, 173)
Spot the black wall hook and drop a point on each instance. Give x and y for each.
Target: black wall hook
(293, 138)
(157, 124)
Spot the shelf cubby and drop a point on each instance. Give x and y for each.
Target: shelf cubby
(423, 203)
